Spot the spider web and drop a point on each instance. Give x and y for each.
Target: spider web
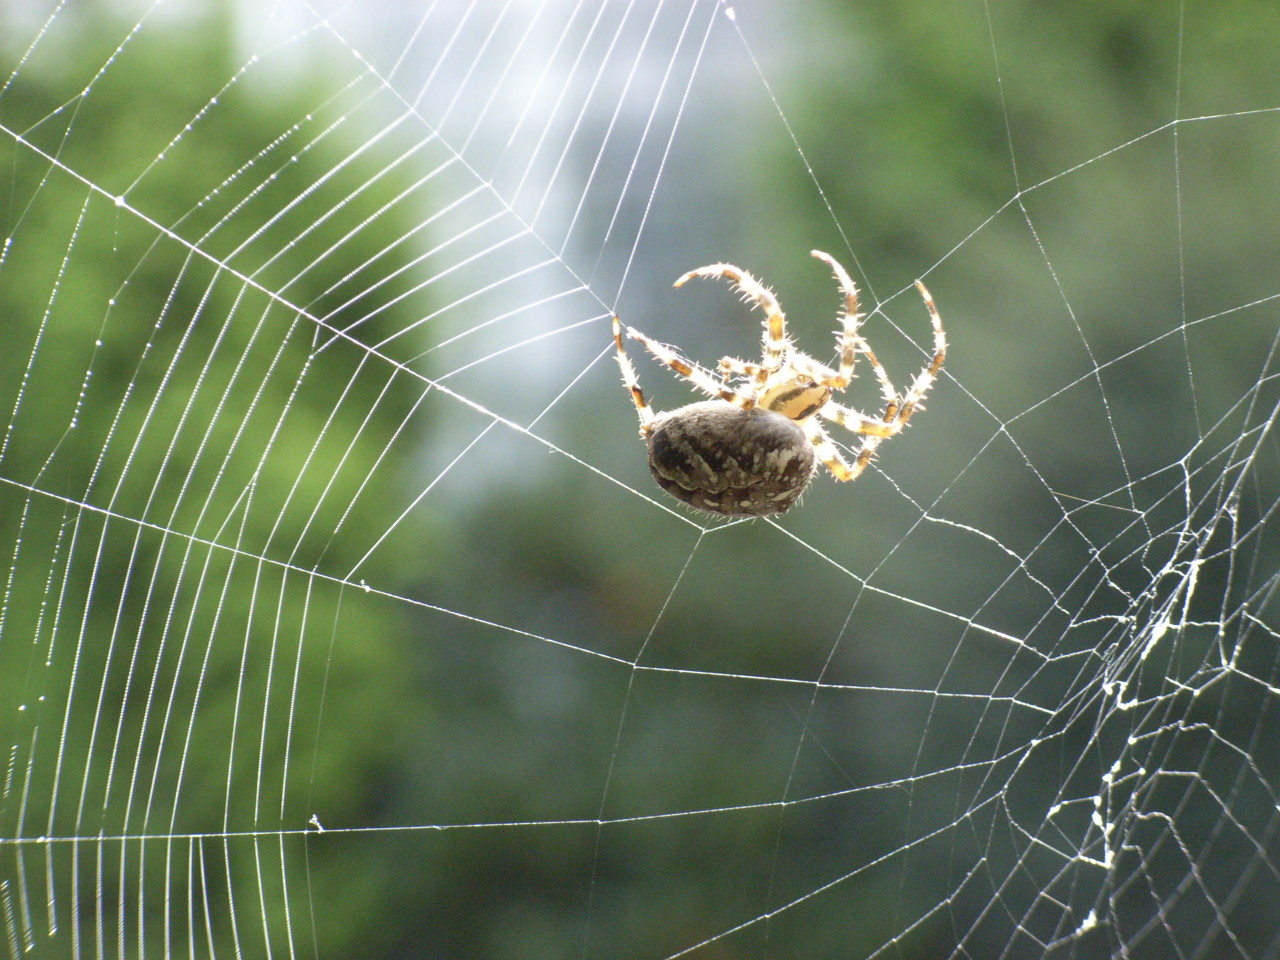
(340, 616)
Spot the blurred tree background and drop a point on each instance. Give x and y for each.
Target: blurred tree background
(207, 641)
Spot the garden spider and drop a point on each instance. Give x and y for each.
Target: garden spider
(752, 450)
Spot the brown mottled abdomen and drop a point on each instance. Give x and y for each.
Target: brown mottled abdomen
(733, 462)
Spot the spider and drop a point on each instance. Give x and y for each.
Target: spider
(752, 450)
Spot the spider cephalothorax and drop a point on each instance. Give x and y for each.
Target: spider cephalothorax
(753, 449)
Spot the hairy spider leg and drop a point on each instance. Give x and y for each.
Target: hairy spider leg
(848, 340)
(851, 342)
(700, 377)
(887, 390)
(898, 408)
(826, 451)
(732, 366)
(776, 344)
(925, 378)
(874, 432)
(632, 382)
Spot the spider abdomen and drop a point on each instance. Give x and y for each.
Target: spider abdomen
(723, 459)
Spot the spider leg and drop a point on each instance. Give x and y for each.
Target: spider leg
(776, 343)
(925, 378)
(891, 399)
(700, 377)
(865, 452)
(851, 342)
(733, 367)
(801, 364)
(826, 451)
(632, 382)
(858, 422)
(874, 432)
(848, 342)
(898, 407)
